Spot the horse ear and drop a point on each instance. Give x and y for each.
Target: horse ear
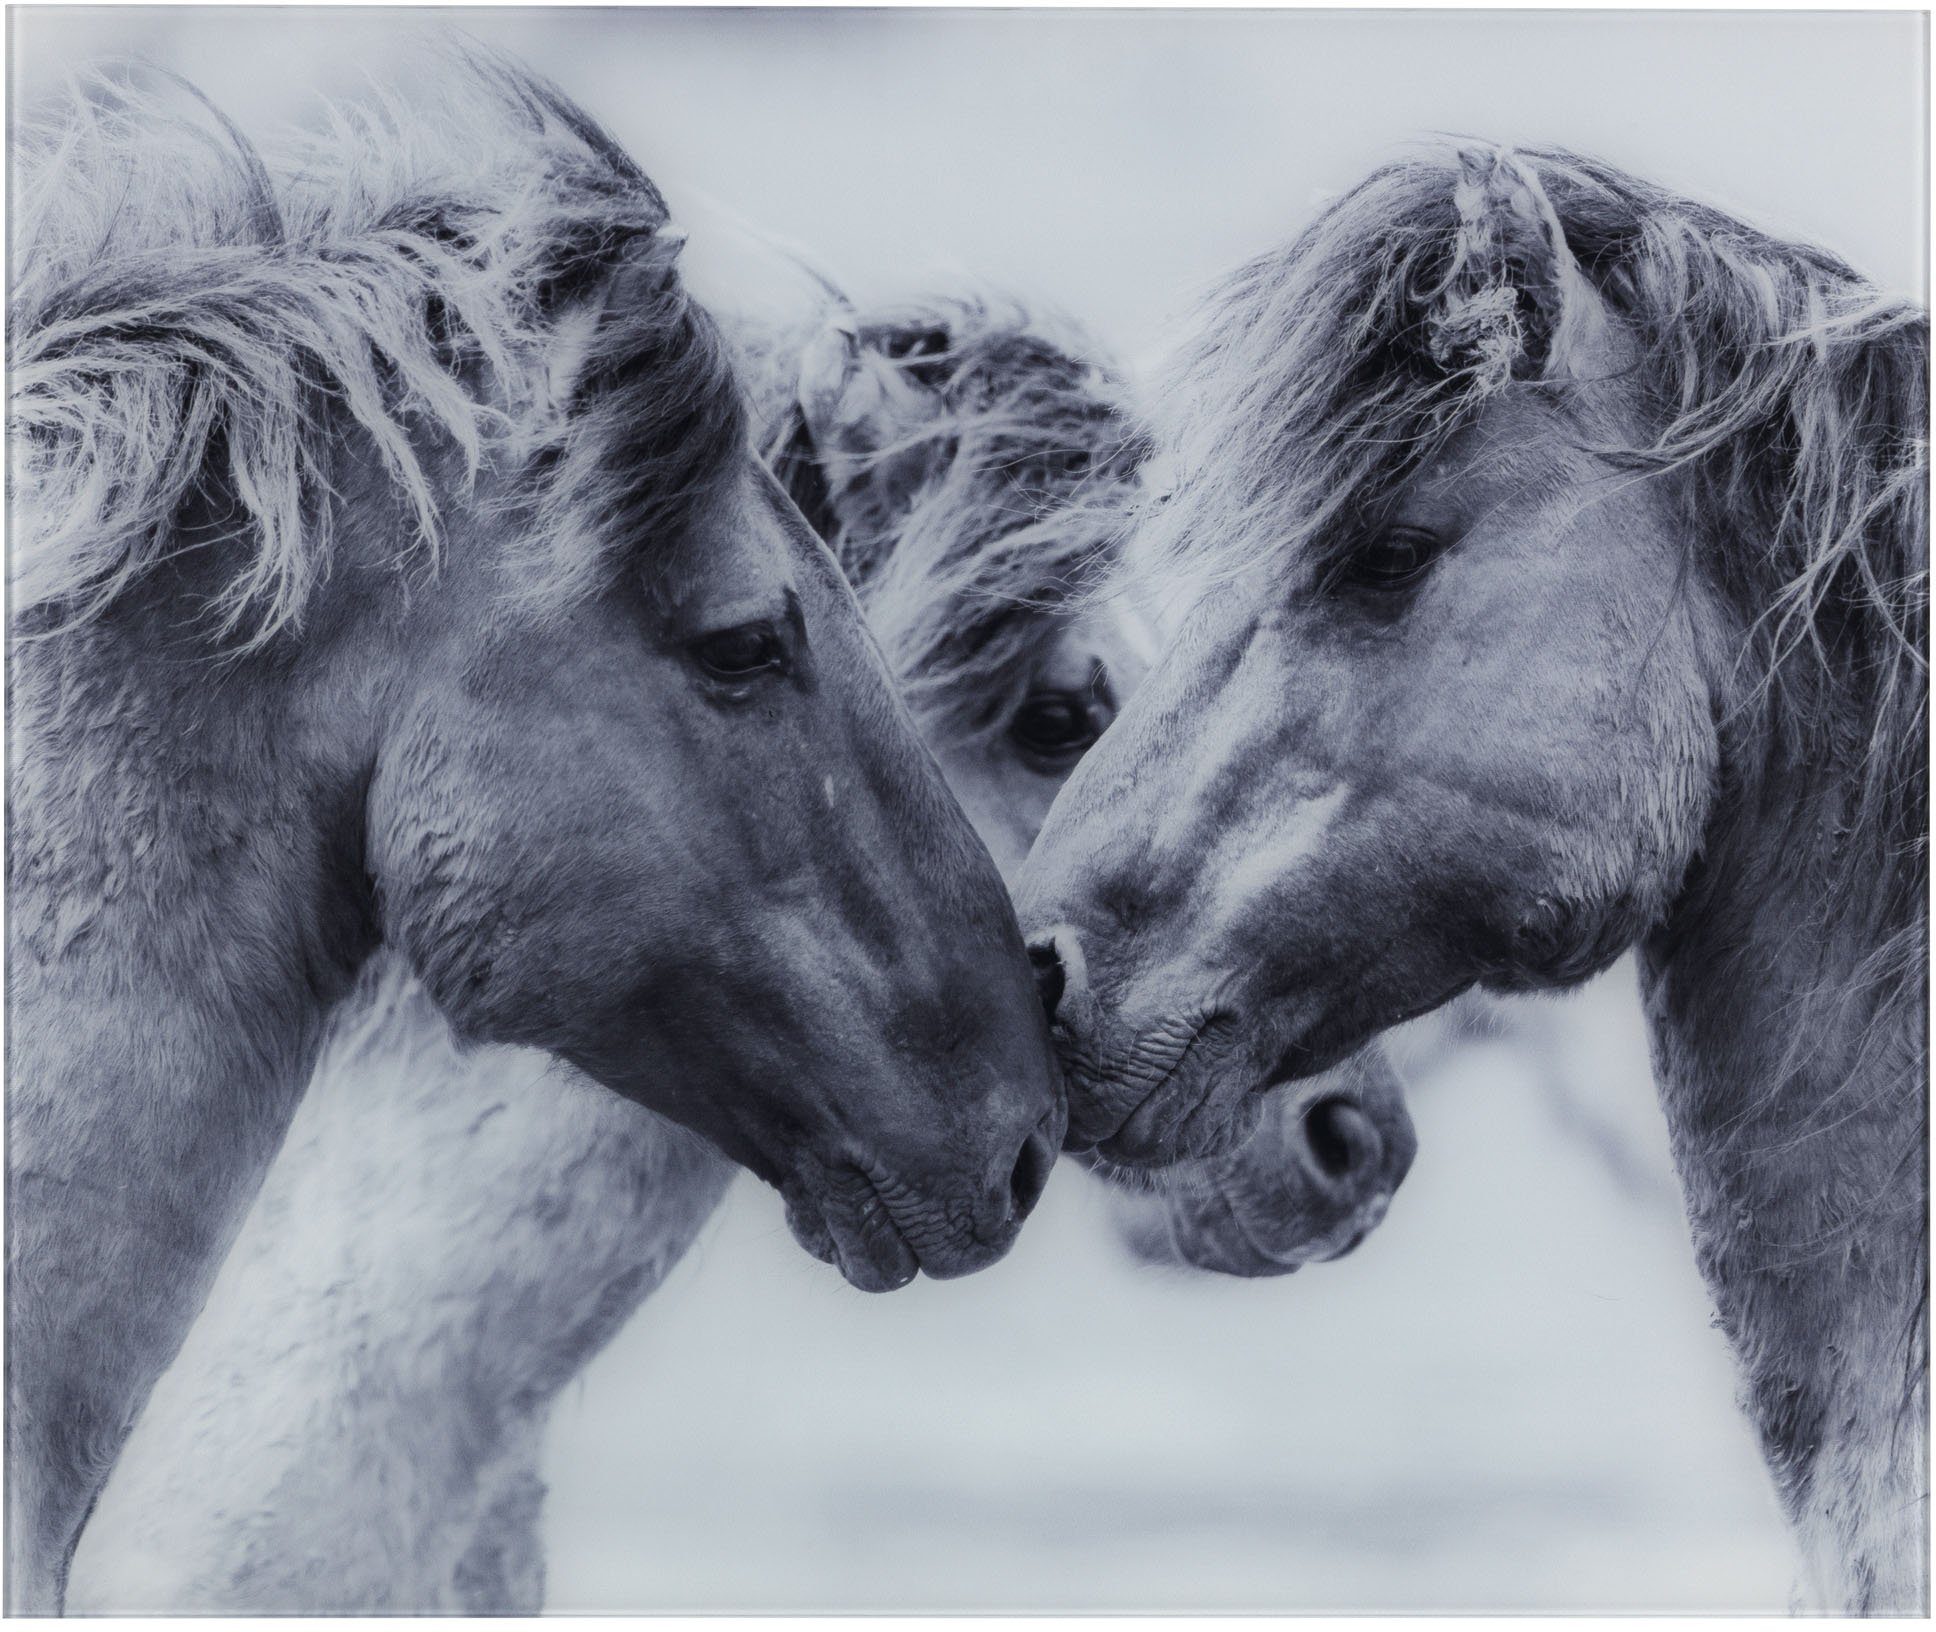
(1514, 304)
(856, 393)
(829, 366)
(790, 454)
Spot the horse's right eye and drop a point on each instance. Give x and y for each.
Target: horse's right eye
(1056, 728)
(739, 653)
(1393, 560)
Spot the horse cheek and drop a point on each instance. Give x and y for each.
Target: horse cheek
(434, 902)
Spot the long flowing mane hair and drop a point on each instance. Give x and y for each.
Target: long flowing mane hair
(197, 318)
(1790, 390)
(1032, 453)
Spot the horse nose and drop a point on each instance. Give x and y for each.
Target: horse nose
(1002, 1207)
(1050, 977)
(1031, 1174)
(1357, 1159)
(1062, 977)
(1344, 1144)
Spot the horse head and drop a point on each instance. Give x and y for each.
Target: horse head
(500, 625)
(678, 829)
(1444, 711)
(973, 467)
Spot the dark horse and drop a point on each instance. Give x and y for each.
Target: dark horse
(1564, 558)
(394, 567)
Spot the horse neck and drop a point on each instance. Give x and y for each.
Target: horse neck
(186, 832)
(185, 869)
(1790, 1054)
(186, 866)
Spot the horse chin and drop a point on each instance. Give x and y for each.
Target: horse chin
(1184, 1217)
(1217, 1230)
(1213, 1236)
(842, 1220)
(880, 1263)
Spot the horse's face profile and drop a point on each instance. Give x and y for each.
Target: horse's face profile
(682, 834)
(1462, 732)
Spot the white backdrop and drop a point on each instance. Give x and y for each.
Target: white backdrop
(1510, 1396)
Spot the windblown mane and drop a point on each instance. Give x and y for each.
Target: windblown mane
(1032, 456)
(194, 318)
(1792, 391)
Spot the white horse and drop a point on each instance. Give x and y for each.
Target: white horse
(1568, 552)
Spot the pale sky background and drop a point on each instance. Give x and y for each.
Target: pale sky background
(1111, 161)
(1510, 1397)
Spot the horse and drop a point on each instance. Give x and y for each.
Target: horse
(394, 568)
(1562, 554)
(375, 1444)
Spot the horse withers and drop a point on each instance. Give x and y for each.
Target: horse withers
(1563, 546)
(393, 567)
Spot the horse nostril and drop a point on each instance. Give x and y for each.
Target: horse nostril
(1050, 978)
(1342, 1138)
(1031, 1175)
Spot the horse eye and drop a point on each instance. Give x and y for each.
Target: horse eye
(1056, 726)
(1393, 560)
(738, 653)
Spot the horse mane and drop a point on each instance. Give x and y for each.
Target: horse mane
(1031, 456)
(198, 317)
(1791, 390)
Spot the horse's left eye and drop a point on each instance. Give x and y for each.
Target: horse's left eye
(1396, 559)
(738, 653)
(1057, 727)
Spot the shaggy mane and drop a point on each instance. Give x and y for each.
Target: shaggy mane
(195, 317)
(1032, 455)
(1791, 391)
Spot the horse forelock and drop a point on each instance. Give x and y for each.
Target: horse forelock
(1789, 389)
(1305, 389)
(658, 418)
(192, 312)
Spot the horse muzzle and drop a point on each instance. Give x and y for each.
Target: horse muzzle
(880, 1230)
(1144, 1092)
(1310, 1186)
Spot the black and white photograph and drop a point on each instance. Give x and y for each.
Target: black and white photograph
(933, 810)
